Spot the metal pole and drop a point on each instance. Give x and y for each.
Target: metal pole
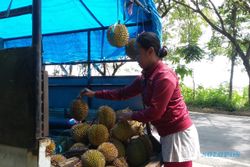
(36, 44)
(89, 65)
(84, 30)
(88, 61)
(1, 43)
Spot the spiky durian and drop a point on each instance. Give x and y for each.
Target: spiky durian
(98, 134)
(120, 162)
(122, 131)
(118, 35)
(79, 110)
(106, 116)
(120, 147)
(93, 158)
(137, 127)
(109, 151)
(80, 132)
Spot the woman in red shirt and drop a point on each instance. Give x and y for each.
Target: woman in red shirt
(165, 107)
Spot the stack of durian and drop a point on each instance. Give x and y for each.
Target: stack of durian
(107, 141)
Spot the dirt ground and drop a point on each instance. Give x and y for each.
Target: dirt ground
(217, 111)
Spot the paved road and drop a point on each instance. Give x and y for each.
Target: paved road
(222, 136)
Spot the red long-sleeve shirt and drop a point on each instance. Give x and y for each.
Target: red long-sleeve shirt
(165, 107)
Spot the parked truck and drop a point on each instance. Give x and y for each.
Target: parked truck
(35, 107)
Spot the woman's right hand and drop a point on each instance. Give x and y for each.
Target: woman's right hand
(87, 92)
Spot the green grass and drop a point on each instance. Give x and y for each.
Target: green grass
(215, 98)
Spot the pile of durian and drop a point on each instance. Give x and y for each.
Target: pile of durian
(107, 142)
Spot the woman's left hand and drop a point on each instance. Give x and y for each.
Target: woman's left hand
(124, 116)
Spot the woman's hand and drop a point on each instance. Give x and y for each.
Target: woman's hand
(87, 92)
(124, 116)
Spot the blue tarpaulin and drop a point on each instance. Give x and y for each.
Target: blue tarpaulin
(70, 26)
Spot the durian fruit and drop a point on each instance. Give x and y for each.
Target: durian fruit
(98, 134)
(106, 116)
(79, 110)
(118, 35)
(78, 146)
(109, 151)
(137, 127)
(80, 132)
(147, 144)
(120, 162)
(93, 158)
(136, 153)
(51, 148)
(56, 159)
(131, 49)
(122, 111)
(122, 131)
(120, 147)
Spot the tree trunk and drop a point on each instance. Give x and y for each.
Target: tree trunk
(70, 69)
(104, 69)
(234, 52)
(64, 70)
(194, 89)
(116, 66)
(232, 75)
(249, 90)
(102, 72)
(246, 63)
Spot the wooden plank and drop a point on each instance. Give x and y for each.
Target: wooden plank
(17, 157)
(71, 162)
(17, 109)
(45, 106)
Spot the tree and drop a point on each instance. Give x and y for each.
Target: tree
(66, 69)
(217, 18)
(104, 69)
(219, 45)
(181, 32)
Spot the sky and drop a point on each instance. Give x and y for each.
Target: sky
(207, 73)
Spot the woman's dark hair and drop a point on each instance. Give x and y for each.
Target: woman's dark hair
(150, 39)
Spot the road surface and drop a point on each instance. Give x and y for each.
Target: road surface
(224, 140)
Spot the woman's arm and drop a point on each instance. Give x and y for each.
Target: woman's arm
(117, 94)
(162, 92)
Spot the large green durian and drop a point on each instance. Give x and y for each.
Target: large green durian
(106, 116)
(93, 158)
(109, 151)
(98, 134)
(80, 132)
(136, 153)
